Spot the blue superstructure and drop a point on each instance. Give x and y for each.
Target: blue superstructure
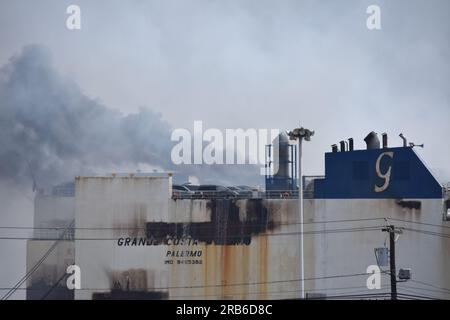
(385, 173)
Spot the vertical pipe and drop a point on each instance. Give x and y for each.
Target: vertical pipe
(291, 159)
(334, 148)
(295, 161)
(405, 142)
(350, 144)
(385, 140)
(267, 161)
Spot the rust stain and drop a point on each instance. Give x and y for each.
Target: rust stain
(234, 268)
(212, 276)
(205, 270)
(225, 227)
(245, 269)
(229, 274)
(224, 273)
(224, 261)
(262, 266)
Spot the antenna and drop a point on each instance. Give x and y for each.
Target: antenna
(412, 145)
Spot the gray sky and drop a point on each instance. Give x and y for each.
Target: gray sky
(254, 64)
(257, 64)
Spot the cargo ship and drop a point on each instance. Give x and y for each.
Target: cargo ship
(137, 236)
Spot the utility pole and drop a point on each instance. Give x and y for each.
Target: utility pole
(299, 134)
(393, 272)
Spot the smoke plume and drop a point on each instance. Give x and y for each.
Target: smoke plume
(50, 131)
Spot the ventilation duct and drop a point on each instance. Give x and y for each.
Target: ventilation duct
(350, 144)
(372, 141)
(385, 140)
(334, 148)
(405, 142)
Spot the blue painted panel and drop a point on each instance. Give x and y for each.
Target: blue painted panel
(352, 175)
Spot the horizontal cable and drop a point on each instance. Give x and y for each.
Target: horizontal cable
(241, 283)
(187, 223)
(326, 231)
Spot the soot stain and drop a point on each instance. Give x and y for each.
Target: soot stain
(226, 227)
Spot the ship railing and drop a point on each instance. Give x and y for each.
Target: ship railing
(268, 194)
(214, 195)
(288, 194)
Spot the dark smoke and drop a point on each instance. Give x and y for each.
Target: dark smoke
(50, 131)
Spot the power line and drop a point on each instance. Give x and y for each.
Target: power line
(359, 294)
(53, 287)
(29, 273)
(426, 232)
(353, 296)
(424, 289)
(243, 283)
(430, 285)
(431, 233)
(187, 223)
(418, 296)
(370, 228)
(420, 223)
(34, 268)
(447, 290)
(326, 231)
(279, 292)
(264, 282)
(374, 295)
(270, 282)
(419, 293)
(231, 225)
